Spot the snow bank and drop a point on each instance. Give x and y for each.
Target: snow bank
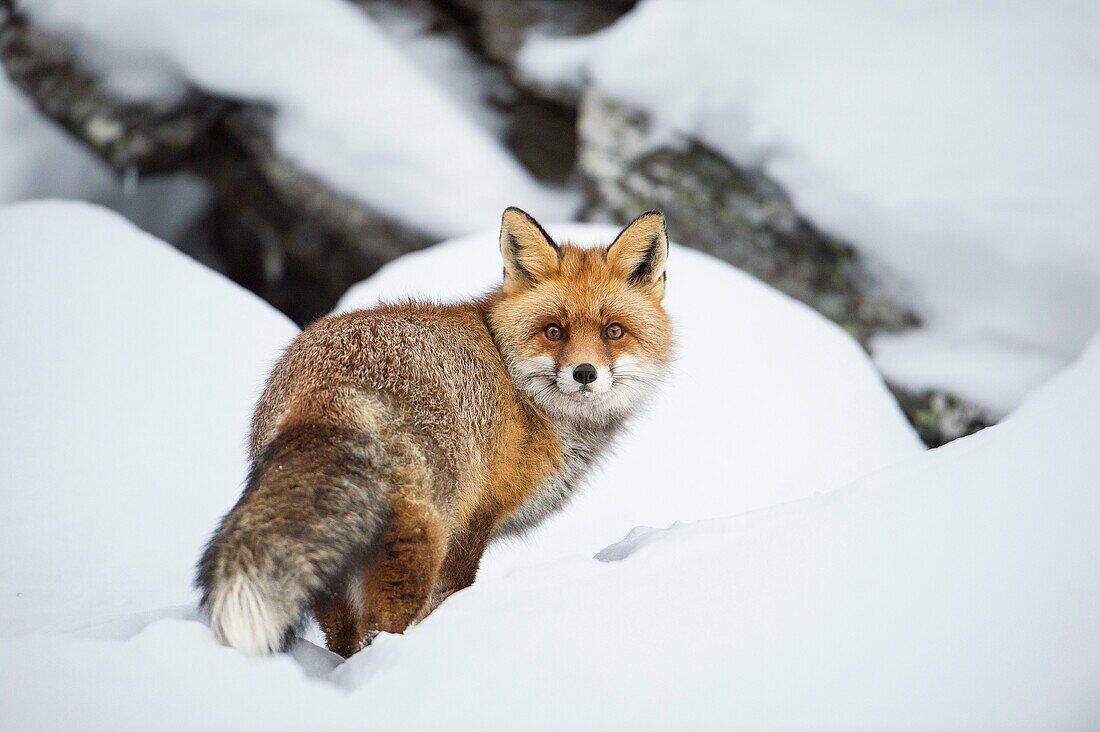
(767, 401)
(349, 106)
(956, 588)
(954, 143)
(127, 379)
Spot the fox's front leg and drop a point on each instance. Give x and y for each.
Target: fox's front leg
(461, 563)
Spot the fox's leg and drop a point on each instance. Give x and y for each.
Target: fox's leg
(394, 584)
(398, 582)
(341, 623)
(460, 566)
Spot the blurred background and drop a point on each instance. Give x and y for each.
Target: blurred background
(924, 175)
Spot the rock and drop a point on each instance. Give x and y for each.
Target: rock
(940, 417)
(736, 214)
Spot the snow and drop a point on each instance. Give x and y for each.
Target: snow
(469, 82)
(112, 467)
(955, 144)
(947, 589)
(41, 159)
(928, 358)
(348, 105)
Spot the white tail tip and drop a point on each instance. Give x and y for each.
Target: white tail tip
(241, 617)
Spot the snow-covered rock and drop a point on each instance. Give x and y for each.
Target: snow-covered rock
(732, 211)
(952, 589)
(349, 106)
(40, 160)
(947, 142)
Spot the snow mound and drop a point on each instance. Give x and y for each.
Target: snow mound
(349, 106)
(767, 401)
(128, 377)
(948, 142)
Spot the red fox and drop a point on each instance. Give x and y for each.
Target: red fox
(391, 445)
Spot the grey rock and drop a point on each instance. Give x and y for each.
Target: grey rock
(736, 214)
(746, 219)
(940, 417)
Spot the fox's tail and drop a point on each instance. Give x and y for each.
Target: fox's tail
(316, 500)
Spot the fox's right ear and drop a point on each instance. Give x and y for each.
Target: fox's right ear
(529, 253)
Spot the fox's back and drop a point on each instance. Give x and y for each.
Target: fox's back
(434, 367)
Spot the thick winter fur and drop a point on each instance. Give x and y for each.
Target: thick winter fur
(391, 445)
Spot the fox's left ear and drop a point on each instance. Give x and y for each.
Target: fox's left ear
(530, 255)
(639, 252)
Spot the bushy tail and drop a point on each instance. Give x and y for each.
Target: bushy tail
(315, 501)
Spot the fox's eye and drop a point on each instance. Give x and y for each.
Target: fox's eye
(613, 331)
(554, 332)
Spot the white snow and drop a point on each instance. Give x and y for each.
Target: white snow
(468, 81)
(39, 159)
(348, 105)
(954, 143)
(952, 589)
(128, 374)
(963, 366)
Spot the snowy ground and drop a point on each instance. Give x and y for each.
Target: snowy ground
(954, 143)
(875, 586)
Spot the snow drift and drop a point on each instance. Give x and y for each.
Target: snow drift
(956, 590)
(114, 463)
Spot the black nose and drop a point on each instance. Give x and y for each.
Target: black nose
(585, 373)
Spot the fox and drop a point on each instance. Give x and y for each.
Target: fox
(390, 446)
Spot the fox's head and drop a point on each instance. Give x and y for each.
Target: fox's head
(582, 330)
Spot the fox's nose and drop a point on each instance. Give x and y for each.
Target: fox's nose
(585, 373)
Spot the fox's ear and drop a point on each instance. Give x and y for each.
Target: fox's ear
(529, 253)
(639, 252)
